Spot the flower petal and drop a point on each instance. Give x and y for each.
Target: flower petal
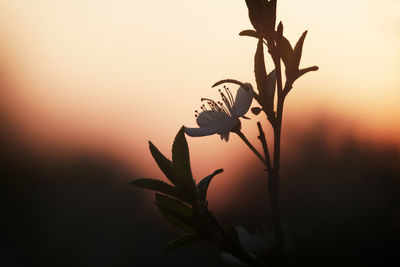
(227, 125)
(222, 128)
(232, 260)
(243, 101)
(249, 242)
(202, 131)
(210, 118)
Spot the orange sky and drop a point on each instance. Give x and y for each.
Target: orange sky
(111, 75)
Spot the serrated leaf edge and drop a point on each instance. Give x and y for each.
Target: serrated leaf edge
(181, 241)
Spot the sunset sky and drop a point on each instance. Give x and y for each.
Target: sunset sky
(110, 75)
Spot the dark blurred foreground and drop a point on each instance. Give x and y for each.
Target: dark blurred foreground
(340, 201)
(78, 210)
(341, 206)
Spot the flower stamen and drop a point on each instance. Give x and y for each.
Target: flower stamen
(223, 109)
(230, 96)
(222, 117)
(227, 100)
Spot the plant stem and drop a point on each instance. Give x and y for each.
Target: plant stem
(265, 146)
(252, 148)
(274, 177)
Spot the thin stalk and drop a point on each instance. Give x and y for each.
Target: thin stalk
(264, 144)
(274, 177)
(277, 133)
(252, 148)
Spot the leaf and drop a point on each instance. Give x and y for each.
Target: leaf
(286, 51)
(174, 206)
(163, 163)
(175, 212)
(255, 13)
(261, 73)
(231, 81)
(270, 17)
(298, 49)
(304, 71)
(279, 33)
(181, 241)
(250, 33)
(173, 219)
(159, 186)
(181, 162)
(204, 183)
(262, 15)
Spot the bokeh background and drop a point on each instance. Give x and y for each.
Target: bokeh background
(85, 84)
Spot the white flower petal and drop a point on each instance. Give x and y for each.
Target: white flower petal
(222, 128)
(229, 258)
(210, 118)
(227, 125)
(217, 120)
(202, 131)
(242, 101)
(249, 242)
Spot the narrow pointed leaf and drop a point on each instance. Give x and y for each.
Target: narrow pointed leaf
(204, 183)
(250, 33)
(181, 162)
(255, 13)
(181, 241)
(163, 163)
(176, 221)
(231, 81)
(304, 71)
(174, 205)
(261, 74)
(279, 32)
(298, 49)
(159, 186)
(270, 17)
(262, 15)
(286, 51)
(175, 212)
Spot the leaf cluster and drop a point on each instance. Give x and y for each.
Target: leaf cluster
(261, 12)
(182, 203)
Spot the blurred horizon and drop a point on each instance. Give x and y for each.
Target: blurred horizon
(340, 203)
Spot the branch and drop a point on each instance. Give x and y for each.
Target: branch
(252, 148)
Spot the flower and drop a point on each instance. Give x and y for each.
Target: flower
(253, 244)
(250, 242)
(222, 117)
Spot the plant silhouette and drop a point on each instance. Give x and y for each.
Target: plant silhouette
(183, 203)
